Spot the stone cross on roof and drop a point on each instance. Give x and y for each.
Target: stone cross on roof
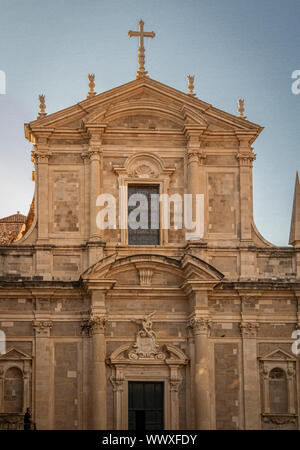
(141, 72)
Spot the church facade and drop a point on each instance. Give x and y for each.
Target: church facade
(113, 328)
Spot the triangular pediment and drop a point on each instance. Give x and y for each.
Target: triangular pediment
(278, 355)
(142, 97)
(15, 354)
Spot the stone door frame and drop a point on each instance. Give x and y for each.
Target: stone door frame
(167, 370)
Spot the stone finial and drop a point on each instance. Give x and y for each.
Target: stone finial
(190, 80)
(42, 112)
(295, 222)
(241, 108)
(91, 93)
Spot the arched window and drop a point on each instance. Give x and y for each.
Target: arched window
(13, 390)
(2, 343)
(278, 391)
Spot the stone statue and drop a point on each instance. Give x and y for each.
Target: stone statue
(145, 345)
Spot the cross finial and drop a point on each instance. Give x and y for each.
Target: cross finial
(190, 80)
(141, 72)
(91, 93)
(241, 108)
(42, 112)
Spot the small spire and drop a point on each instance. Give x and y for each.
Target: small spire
(295, 222)
(91, 93)
(241, 108)
(190, 80)
(42, 112)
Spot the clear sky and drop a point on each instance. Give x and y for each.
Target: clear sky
(235, 48)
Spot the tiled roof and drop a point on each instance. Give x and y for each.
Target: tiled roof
(15, 218)
(10, 227)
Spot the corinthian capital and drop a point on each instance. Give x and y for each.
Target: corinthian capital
(95, 324)
(40, 157)
(42, 328)
(249, 329)
(94, 153)
(246, 160)
(193, 155)
(200, 325)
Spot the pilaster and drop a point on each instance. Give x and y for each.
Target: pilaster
(94, 154)
(41, 155)
(195, 170)
(201, 327)
(245, 158)
(249, 331)
(42, 328)
(96, 325)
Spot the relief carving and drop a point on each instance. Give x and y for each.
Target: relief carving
(95, 324)
(200, 325)
(42, 328)
(145, 345)
(249, 329)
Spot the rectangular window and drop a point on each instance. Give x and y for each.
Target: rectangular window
(143, 215)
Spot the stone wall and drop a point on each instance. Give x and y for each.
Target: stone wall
(227, 386)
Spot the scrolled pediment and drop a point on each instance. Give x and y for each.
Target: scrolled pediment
(166, 354)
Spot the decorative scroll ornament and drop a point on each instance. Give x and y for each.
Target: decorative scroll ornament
(144, 171)
(145, 345)
(91, 93)
(42, 112)
(144, 168)
(190, 80)
(281, 419)
(249, 329)
(118, 381)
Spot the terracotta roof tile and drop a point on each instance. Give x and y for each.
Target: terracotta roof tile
(10, 227)
(15, 218)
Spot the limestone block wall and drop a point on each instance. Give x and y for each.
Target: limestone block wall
(249, 336)
(227, 386)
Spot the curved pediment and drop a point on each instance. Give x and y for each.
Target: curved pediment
(153, 270)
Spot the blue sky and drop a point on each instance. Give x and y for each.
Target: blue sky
(235, 48)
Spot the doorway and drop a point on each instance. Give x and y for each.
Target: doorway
(145, 405)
